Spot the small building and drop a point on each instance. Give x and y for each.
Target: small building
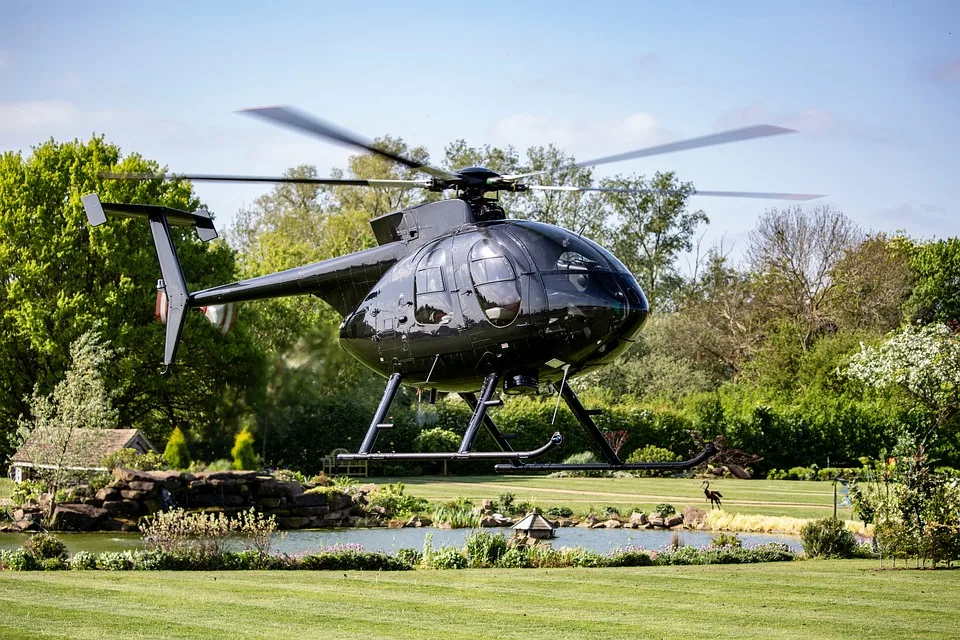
(535, 526)
(77, 450)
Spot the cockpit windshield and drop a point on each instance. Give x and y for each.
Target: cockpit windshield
(556, 250)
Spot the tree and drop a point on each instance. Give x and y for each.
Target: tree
(793, 252)
(177, 454)
(244, 455)
(59, 423)
(60, 277)
(651, 229)
(936, 290)
(922, 361)
(872, 281)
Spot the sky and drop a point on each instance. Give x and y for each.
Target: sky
(873, 89)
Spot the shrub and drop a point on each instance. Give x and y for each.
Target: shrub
(349, 560)
(457, 514)
(630, 557)
(514, 558)
(541, 556)
(115, 561)
(484, 549)
(412, 557)
(560, 512)
(54, 564)
(178, 531)
(255, 531)
(580, 557)
(801, 473)
(28, 491)
(827, 538)
(726, 540)
(448, 558)
(44, 546)
(665, 509)
(83, 561)
(130, 459)
(436, 440)
(177, 454)
(776, 474)
(584, 457)
(652, 453)
(392, 498)
(244, 455)
(19, 560)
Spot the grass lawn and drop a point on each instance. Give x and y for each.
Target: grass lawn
(6, 488)
(813, 599)
(766, 497)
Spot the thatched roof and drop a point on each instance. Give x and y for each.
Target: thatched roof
(80, 448)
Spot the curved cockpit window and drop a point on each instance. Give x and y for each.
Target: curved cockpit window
(495, 281)
(432, 298)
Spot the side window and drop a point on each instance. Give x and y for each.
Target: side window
(495, 281)
(431, 297)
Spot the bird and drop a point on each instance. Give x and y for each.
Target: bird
(712, 496)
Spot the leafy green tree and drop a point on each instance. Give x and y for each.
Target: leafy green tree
(936, 290)
(59, 424)
(61, 276)
(652, 229)
(177, 453)
(244, 455)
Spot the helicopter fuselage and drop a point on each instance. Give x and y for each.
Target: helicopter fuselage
(532, 301)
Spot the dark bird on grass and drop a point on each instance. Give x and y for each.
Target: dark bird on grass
(712, 496)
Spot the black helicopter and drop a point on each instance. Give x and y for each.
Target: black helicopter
(456, 298)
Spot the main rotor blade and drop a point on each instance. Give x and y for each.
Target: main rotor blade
(721, 194)
(724, 137)
(292, 119)
(206, 177)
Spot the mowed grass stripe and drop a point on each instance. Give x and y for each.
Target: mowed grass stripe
(822, 599)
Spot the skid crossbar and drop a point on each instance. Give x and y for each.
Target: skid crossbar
(554, 441)
(702, 457)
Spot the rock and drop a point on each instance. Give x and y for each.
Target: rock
(93, 502)
(309, 511)
(419, 521)
(339, 501)
(310, 500)
(106, 494)
(693, 515)
(637, 520)
(142, 485)
(673, 521)
(77, 517)
(293, 522)
(611, 524)
(131, 475)
(27, 526)
(566, 522)
(489, 521)
(278, 489)
(152, 505)
(270, 503)
(244, 476)
(655, 520)
(130, 494)
(738, 471)
(486, 506)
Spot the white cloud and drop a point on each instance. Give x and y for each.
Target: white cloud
(583, 138)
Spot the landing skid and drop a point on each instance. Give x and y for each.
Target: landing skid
(515, 459)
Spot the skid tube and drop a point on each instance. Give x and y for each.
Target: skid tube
(702, 457)
(554, 441)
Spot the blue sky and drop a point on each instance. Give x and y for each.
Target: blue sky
(873, 88)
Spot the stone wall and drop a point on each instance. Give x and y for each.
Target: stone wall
(133, 494)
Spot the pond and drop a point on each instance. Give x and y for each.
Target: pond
(389, 540)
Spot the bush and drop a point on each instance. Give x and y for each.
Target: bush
(115, 561)
(83, 561)
(44, 546)
(514, 558)
(412, 557)
(130, 459)
(436, 440)
(584, 457)
(726, 540)
(244, 455)
(19, 560)
(448, 558)
(630, 557)
(348, 560)
(827, 538)
(652, 453)
(580, 557)
(392, 498)
(177, 454)
(484, 549)
(665, 509)
(560, 512)
(776, 474)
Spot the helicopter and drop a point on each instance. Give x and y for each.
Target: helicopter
(455, 297)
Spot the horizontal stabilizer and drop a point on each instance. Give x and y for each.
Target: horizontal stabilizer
(97, 213)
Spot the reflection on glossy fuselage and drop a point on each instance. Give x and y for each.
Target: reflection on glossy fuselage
(510, 296)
